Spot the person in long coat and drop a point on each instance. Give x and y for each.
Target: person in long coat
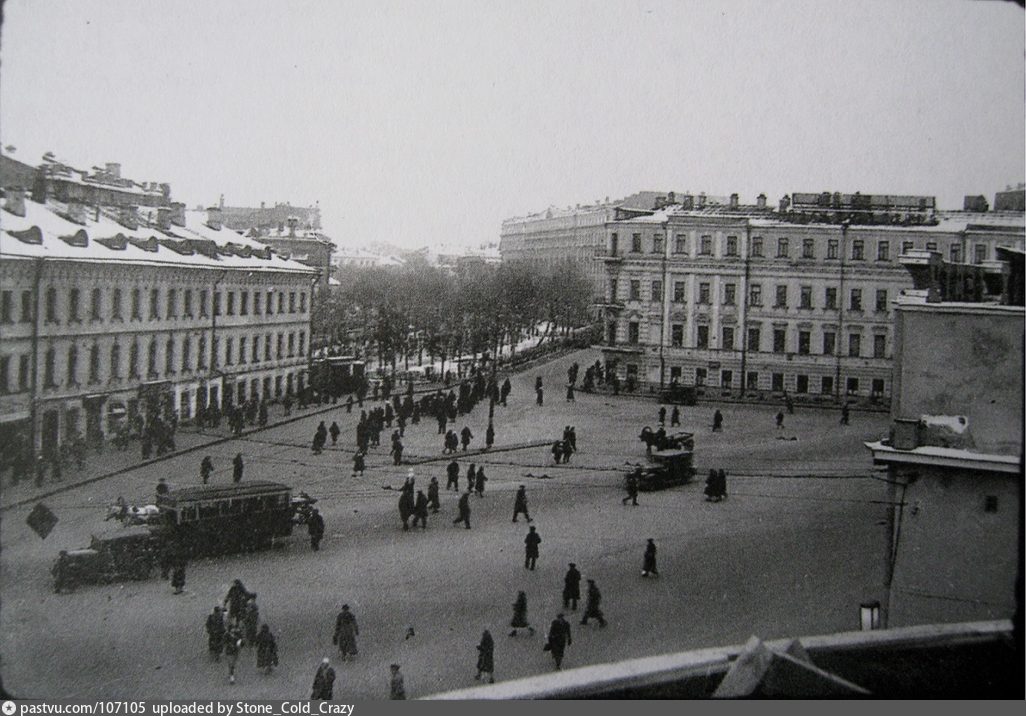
(397, 689)
(334, 431)
(520, 504)
(490, 436)
(266, 649)
(432, 495)
(531, 542)
(479, 482)
(519, 620)
(471, 477)
(465, 437)
(251, 619)
(721, 483)
(559, 639)
(592, 606)
(236, 600)
(632, 488)
(206, 468)
(346, 631)
(232, 647)
(571, 587)
(557, 451)
(315, 527)
(717, 421)
(358, 463)
(178, 575)
(452, 473)
(711, 489)
(215, 632)
(324, 682)
(486, 657)
(649, 564)
(464, 508)
(420, 510)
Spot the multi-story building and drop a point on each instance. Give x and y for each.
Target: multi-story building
(736, 299)
(112, 312)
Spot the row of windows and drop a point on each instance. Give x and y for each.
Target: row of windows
(178, 355)
(784, 248)
(802, 383)
(167, 304)
(755, 297)
(756, 344)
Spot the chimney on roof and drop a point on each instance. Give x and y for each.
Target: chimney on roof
(128, 216)
(14, 201)
(220, 204)
(164, 218)
(165, 189)
(671, 198)
(785, 203)
(760, 201)
(178, 213)
(214, 218)
(292, 222)
(113, 170)
(262, 205)
(39, 186)
(701, 201)
(733, 200)
(660, 202)
(76, 212)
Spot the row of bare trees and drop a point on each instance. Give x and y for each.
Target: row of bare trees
(417, 312)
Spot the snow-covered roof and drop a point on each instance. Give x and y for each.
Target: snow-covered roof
(42, 233)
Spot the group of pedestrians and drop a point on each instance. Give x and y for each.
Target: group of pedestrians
(207, 468)
(565, 447)
(234, 624)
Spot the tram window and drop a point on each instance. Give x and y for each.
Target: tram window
(209, 511)
(187, 514)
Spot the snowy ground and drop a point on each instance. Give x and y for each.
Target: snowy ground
(782, 556)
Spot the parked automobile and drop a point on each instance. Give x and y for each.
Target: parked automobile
(113, 555)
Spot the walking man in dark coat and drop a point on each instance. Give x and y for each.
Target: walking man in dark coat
(465, 437)
(649, 565)
(464, 508)
(489, 436)
(559, 639)
(215, 633)
(206, 468)
(315, 526)
(592, 606)
(479, 482)
(346, 631)
(662, 415)
(675, 417)
(570, 393)
(178, 575)
(420, 510)
(531, 542)
(520, 504)
(266, 649)
(237, 466)
(452, 473)
(358, 463)
(845, 414)
(324, 682)
(506, 387)
(632, 487)
(486, 657)
(717, 422)
(471, 477)
(571, 588)
(334, 431)
(432, 495)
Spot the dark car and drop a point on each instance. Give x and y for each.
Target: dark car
(125, 553)
(679, 395)
(670, 468)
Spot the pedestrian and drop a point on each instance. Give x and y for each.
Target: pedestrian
(489, 436)
(633, 481)
(506, 387)
(397, 689)
(531, 542)
(780, 420)
(266, 649)
(592, 605)
(315, 528)
(721, 483)
(432, 495)
(215, 632)
(358, 463)
(567, 450)
(452, 472)
(712, 492)
(346, 631)
(465, 437)
(539, 395)
(675, 417)
(717, 422)
(662, 415)
(236, 600)
(237, 468)
(334, 431)
(178, 575)
(464, 510)
(519, 620)
(557, 451)
(520, 504)
(572, 437)
(206, 469)
(251, 619)
(479, 482)
(649, 565)
(324, 682)
(789, 403)
(397, 452)
(420, 510)
(232, 647)
(349, 404)
(471, 477)
(570, 393)
(845, 414)
(162, 488)
(571, 588)
(558, 640)
(486, 657)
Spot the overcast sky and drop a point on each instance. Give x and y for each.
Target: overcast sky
(423, 122)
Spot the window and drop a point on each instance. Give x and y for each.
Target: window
(5, 366)
(779, 340)
(612, 290)
(832, 249)
(956, 254)
(635, 293)
(26, 307)
(703, 293)
(752, 380)
(801, 384)
(186, 354)
(636, 243)
(257, 297)
(280, 345)
(302, 343)
(292, 344)
(829, 341)
(703, 337)
(680, 244)
(6, 307)
(731, 246)
(115, 304)
(805, 297)
(72, 377)
(302, 296)
(154, 304)
(242, 349)
(706, 246)
(657, 244)
(229, 351)
(136, 304)
(215, 348)
(51, 305)
(830, 299)
(854, 345)
(680, 291)
(980, 253)
(151, 359)
(883, 251)
(217, 303)
(729, 294)
(804, 339)
(755, 295)
(907, 246)
(96, 305)
(49, 366)
(269, 303)
(826, 384)
(855, 304)
(754, 339)
(243, 303)
(614, 244)
(677, 335)
(231, 303)
(23, 372)
(611, 333)
(281, 302)
(133, 360)
(267, 347)
(633, 331)
(726, 379)
(94, 364)
(201, 353)
(187, 303)
(782, 249)
(73, 316)
(169, 356)
(700, 376)
(781, 297)
(256, 349)
(172, 303)
(757, 246)
(657, 291)
(808, 249)
(881, 300)
(853, 386)
(778, 382)
(203, 303)
(931, 245)
(858, 251)
(879, 346)
(727, 342)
